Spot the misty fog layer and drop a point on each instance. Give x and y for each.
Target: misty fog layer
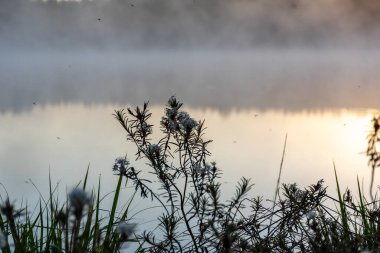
(289, 55)
(266, 80)
(238, 24)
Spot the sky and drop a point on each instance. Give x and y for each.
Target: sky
(188, 24)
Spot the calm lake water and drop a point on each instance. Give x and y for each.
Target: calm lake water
(56, 113)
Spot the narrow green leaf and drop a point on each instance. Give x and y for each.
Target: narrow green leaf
(113, 210)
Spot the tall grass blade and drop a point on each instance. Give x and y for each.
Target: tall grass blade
(343, 210)
(113, 210)
(7, 248)
(86, 233)
(362, 209)
(278, 182)
(85, 178)
(96, 222)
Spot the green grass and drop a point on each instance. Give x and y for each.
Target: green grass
(59, 226)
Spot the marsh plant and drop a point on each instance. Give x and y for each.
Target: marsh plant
(192, 215)
(76, 225)
(194, 218)
(373, 150)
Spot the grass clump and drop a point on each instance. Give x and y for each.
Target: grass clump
(73, 226)
(191, 214)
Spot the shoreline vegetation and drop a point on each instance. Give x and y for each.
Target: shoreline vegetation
(191, 217)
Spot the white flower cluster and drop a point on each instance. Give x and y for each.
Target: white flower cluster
(125, 230)
(3, 240)
(171, 113)
(185, 121)
(79, 199)
(198, 169)
(174, 119)
(298, 193)
(311, 215)
(204, 169)
(170, 118)
(172, 125)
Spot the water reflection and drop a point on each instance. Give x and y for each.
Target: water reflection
(66, 138)
(290, 81)
(56, 113)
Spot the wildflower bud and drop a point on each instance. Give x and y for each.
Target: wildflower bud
(144, 128)
(199, 170)
(185, 121)
(125, 230)
(299, 195)
(293, 187)
(79, 200)
(311, 215)
(3, 240)
(154, 149)
(61, 218)
(171, 113)
(121, 165)
(172, 101)
(203, 227)
(7, 208)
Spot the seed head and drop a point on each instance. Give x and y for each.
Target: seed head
(125, 230)
(121, 165)
(185, 121)
(7, 208)
(79, 200)
(61, 218)
(311, 215)
(172, 101)
(171, 112)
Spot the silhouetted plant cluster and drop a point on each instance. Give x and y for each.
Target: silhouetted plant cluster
(193, 216)
(74, 226)
(196, 219)
(373, 151)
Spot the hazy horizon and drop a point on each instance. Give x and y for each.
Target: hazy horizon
(287, 81)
